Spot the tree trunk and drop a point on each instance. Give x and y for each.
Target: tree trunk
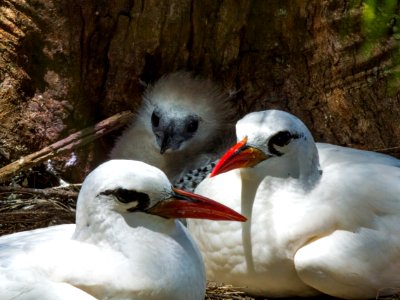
(65, 65)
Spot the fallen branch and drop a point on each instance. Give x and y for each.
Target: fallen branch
(68, 144)
(388, 150)
(49, 192)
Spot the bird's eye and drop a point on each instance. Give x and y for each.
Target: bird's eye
(155, 119)
(281, 139)
(192, 126)
(125, 196)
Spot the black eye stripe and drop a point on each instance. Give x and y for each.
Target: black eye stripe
(281, 139)
(272, 150)
(127, 196)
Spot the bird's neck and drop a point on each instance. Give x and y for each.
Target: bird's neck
(309, 167)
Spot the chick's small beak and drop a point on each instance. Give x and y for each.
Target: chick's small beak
(184, 204)
(240, 155)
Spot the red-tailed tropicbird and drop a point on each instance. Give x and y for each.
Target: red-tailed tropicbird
(126, 243)
(311, 229)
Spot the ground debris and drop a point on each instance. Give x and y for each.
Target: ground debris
(216, 291)
(28, 208)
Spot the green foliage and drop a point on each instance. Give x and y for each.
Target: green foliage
(378, 22)
(380, 26)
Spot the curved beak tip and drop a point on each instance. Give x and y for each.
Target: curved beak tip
(188, 205)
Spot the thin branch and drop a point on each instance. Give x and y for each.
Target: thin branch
(68, 144)
(49, 192)
(388, 150)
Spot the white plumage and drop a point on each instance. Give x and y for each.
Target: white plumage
(311, 229)
(126, 243)
(184, 123)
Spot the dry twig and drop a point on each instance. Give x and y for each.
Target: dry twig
(49, 192)
(72, 142)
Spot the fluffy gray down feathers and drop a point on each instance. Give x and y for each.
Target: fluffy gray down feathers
(190, 118)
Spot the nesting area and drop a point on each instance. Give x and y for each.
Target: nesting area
(24, 208)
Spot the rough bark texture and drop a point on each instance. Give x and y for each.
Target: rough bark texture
(65, 65)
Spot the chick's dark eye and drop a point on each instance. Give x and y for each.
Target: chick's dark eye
(192, 126)
(281, 139)
(155, 119)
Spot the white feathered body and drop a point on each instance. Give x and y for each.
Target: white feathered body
(149, 260)
(111, 252)
(331, 229)
(338, 238)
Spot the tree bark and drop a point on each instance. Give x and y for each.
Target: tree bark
(66, 65)
(70, 143)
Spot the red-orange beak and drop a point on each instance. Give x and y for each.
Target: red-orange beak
(239, 156)
(188, 205)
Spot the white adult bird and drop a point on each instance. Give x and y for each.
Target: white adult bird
(126, 243)
(310, 230)
(184, 124)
